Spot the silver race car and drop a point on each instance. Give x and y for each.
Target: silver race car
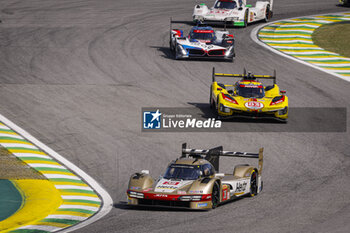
(202, 42)
(193, 181)
(233, 12)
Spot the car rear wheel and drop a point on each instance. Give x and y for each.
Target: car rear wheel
(253, 184)
(246, 18)
(211, 100)
(215, 195)
(176, 53)
(267, 13)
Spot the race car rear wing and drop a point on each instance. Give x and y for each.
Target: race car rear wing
(246, 75)
(213, 155)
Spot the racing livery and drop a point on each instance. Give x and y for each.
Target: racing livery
(248, 97)
(233, 12)
(192, 181)
(202, 42)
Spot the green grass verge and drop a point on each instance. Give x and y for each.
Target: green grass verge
(10, 199)
(334, 38)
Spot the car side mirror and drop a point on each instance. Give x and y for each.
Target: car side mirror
(240, 8)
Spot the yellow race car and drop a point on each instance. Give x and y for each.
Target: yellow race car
(248, 97)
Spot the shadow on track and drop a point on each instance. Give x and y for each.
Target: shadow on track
(209, 113)
(124, 206)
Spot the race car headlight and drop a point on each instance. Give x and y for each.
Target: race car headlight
(181, 49)
(136, 194)
(229, 51)
(283, 111)
(190, 198)
(198, 17)
(231, 19)
(224, 109)
(185, 198)
(196, 198)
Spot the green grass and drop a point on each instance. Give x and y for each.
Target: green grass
(334, 38)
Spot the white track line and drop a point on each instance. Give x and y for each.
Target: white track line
(107, 202)
(254, 37)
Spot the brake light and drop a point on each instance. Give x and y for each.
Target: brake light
(229, 98)
(277, 100)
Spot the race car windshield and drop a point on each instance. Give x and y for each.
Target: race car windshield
(225, 5)
(182, 172)
(201, 35)
(250, 91)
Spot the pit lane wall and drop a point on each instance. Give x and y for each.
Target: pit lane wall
(293, 37)
(62, 200)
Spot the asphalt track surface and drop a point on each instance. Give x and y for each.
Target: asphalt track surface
(75, 74)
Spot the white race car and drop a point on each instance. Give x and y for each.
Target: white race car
(202, 42)
(233, 12)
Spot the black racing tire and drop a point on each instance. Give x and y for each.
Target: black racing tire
(267, 14)
(211, 100)
(253, 184)
(215, 195)
(171, 46)
(217, 105)
(246, 18)
(175, 53)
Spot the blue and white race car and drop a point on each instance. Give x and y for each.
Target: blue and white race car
(202, 42)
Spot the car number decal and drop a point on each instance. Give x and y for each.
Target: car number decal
(254, 105)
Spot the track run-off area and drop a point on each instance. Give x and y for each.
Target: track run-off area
(76, 74)
(59, 199)
(294, 38)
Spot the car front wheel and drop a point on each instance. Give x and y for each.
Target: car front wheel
(215, 195)
(253, 184)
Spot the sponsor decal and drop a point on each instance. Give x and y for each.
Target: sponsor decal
(181, 192)
(171, 182)
(225, 193)
(152, 120)
(240, 187)
(251, 16)
(251, 86)
(254, 105)
(166, 187)
(161, 195)
(203, 31)
(169, 186)
(147, 190)
(196, 191)
(202, 204)
(132, 187)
